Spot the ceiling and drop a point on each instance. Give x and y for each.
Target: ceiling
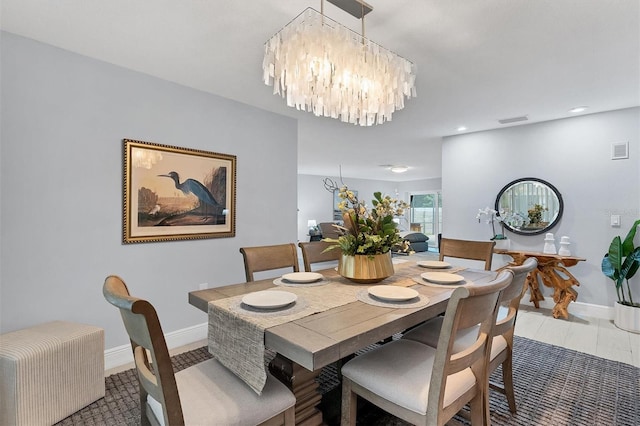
(477, 62)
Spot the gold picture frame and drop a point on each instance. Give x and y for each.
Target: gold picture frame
(172, 193)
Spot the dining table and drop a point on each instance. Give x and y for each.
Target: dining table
(330, 320)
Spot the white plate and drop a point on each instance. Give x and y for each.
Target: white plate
(392, 293)
(433, 264)
(302, 277)
(269, 299)
(442, 277)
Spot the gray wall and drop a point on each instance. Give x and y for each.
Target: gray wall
(63, 120)
(315, 202)
(574, 155)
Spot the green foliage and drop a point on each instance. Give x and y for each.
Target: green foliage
(369, 231)
(535, 213)
(621, 263)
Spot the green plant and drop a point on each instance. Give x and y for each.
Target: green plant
(535, 213)
(621, 263)
(368, 231)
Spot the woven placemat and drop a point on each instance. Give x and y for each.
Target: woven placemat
(240, 308)
(284, 283)
(364, 296)
(422, 281)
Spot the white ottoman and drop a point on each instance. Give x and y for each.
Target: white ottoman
(49, 371)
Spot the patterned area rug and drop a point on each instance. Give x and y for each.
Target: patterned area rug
(553, 386)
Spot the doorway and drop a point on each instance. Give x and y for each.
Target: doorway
(425, 215)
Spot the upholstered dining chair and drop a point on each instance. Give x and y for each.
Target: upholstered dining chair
(502, 345)
(265, 258)
(329, 230)
(314, 252)
(424, 385)
(466, 249)
(206, 393)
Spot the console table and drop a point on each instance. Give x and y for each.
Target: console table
(551, 270)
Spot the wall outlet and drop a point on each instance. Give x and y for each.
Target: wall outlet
(203, 286)
(615, 220)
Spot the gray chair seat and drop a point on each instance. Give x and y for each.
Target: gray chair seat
(410, 389)
(211, 394)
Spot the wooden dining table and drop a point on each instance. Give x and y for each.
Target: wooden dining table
(305, 345)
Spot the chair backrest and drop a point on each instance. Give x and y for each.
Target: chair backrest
(510, 297)
(264, 258)
(314, 252)
(468, 307)
(465, 249)
(155, 375)
(328, 230)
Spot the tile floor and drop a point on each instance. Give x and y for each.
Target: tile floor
(595, 336)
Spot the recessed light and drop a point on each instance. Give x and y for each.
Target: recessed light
(578, 109)
(461, 129)
(399, 169)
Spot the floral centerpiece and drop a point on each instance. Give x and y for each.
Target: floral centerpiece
(367, 232)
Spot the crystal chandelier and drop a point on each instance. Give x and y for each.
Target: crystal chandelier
(319, 65)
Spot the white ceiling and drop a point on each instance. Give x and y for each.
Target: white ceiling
(477, 61)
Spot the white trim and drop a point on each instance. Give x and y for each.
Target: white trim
(577, 308)
(121, 355)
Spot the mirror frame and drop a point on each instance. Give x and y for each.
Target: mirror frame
(537, 231)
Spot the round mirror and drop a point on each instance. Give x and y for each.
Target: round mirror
(529, 206)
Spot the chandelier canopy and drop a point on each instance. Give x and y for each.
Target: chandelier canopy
(319, 65)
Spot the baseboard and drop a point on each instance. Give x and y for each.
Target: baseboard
(576, 308)
(122, 355)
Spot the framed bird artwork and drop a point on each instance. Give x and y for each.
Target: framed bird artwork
(172, 193)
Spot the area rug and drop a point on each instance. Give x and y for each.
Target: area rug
(554, 386)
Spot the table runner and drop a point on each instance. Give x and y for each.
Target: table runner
(237, 340)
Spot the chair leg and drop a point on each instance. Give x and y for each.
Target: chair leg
(290, 416)
(144, 418)
(477, 411)
(341, 362)
(349, 404)
(507, 379)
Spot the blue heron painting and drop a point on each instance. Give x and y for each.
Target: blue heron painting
(173, 193)
(192, 186)
(207, 211)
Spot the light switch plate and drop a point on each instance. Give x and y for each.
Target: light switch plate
(615, 220)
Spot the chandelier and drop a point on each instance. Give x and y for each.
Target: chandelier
(319, 65)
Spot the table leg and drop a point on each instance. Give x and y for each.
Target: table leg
(552, 271)
(535, 295)
(303, 385)
(562, 300)
(561, 280)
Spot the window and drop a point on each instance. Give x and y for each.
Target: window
(425, 214)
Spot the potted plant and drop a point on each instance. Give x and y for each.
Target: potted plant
(369, 236)
(535, 216)
(493, 216)
(620, 264)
